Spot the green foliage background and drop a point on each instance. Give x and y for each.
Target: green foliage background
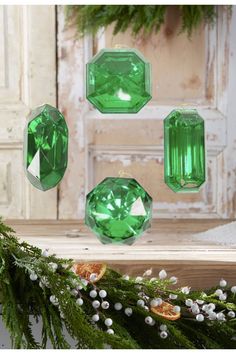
(141, 18)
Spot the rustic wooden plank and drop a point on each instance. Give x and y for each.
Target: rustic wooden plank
(200, 275)
(166, 241)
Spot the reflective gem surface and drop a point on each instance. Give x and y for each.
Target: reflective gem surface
(118, 210)
(118, 81)
(184, 146)
(45, 147)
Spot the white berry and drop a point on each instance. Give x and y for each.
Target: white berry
(110, 331)
(163, 335)
(211, 307)
(93, 294)
(54, 300)
(138, 279)
(118, 306)
(205, 307)
(200, 318)
(173, 296)
(212, 316)
(223, 283)
(74, 292)
(105, 305)
(33, 276)
(108, 322)
(128, 311)
(218, 292)
(45, 253)
(177, 309)
(96, 304)
(148, 320)
(153, 303)
(233, 289)
(147, 273)
(195, 311)
(79, 301)
(153, 279)
(200, 302)
(95, 317)
(162, 274)
(223, 297)
(220, 316)
(185, 290)
(102, 293)
(140, 303)
(194, 306)
(189, 302)
(163, 327)
(53, 266)
(173, 280)
(93, 277)
(231, 314)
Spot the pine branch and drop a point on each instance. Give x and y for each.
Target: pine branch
(142, 19)
(38, 285)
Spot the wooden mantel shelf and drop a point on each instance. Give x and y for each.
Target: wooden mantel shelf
(167, 240)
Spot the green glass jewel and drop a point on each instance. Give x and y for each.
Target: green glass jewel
(184, 145)
(118, 81)
(118, 210)
(45, 147)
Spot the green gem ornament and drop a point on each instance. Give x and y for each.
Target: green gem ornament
(45, 147)
(118, 210)
(118, 81)
(184, 146)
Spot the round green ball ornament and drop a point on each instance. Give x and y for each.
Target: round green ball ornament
(118, 210)
(118, 81)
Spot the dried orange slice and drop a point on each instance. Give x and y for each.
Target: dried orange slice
(84, 270)
(166, 310)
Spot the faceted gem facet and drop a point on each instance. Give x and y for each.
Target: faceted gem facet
(45, 147)
(118, 81)
(184, 146)
(118, 210)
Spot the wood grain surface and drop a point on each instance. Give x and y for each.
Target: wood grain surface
(170, 244)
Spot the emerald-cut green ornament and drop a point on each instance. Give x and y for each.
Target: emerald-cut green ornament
(45, 147)
(118, 210)
(118, 81)
(184, 146)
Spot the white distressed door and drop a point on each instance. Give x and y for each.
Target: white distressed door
(199, 72)
(27, 79)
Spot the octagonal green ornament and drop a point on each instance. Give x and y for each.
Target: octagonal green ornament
(184, 150)
(118, 81)
(45, 147)
(118, 210)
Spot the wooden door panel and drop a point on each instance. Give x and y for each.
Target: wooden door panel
(178, 65)
(27, 79)
(147, 168)
(193, 71)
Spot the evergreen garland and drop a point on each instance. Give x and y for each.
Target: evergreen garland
(35, 283)
(142, 19)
